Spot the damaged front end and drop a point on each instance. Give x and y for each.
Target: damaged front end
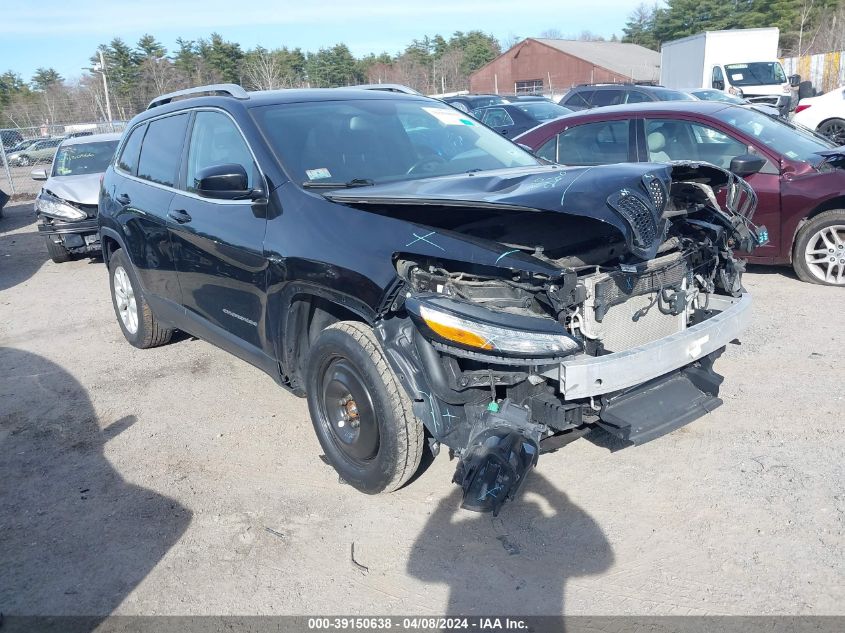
(537, 307)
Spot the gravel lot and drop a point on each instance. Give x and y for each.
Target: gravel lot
(181, 480)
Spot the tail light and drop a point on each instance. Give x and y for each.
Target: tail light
(802, 107)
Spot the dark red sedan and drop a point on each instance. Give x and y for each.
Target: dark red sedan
(800, 186)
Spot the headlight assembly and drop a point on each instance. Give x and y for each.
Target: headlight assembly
(485, 337)
(54, 207)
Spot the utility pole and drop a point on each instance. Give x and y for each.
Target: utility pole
(106, 89)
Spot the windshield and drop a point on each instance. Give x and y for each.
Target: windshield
(755, 74)
(84, 158)
(784, 138)
(381, 140)
(542, 111)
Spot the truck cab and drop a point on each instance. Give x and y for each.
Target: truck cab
(759, 82)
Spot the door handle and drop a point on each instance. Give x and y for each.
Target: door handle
(123, 199)
(180, 215)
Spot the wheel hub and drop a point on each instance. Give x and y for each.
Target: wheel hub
(348, 411)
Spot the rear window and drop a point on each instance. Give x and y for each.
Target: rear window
(161, 152)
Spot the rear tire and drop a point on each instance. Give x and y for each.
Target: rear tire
(58, 253)
(819, 253)
(134, 315)
(834, 129)
(360, 412)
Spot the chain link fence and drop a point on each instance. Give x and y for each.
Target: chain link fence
(26, 148)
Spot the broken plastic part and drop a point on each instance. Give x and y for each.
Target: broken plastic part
(494, 468)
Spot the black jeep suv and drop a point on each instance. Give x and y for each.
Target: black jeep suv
(422, 279)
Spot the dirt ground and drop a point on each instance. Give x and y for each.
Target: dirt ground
(181, 480)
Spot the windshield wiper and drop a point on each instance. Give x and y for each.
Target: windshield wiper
(355, 182)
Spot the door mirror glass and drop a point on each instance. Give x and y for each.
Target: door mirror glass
(794, 80)
(747, 164)
(718, 84)
(228, 181)
(38, 174)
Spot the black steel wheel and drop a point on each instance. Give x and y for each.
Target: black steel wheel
(361, 415)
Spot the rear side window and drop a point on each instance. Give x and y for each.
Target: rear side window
(594, 144)
(161, 152)
(635, 96)
(128, 160)
(607, 98)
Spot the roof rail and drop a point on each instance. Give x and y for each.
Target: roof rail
(231, 90)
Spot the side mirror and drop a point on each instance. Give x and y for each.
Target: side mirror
(718, 84)
(227, 181)
(747, 164)
(38, 174)
(794, 80)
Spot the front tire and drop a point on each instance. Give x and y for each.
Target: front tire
(819, 255)
(137, 321)
(24, 161)
(57, 252)
(361, 414)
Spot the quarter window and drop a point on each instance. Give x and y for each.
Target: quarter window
(215, 140)
(161, 151)
(497, 117)
(607, 98)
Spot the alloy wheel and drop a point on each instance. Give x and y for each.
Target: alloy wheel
(124, 297)
(825, 254)
(835, 131)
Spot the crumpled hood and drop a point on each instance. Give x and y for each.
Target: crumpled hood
(82, 189)
(580, 191)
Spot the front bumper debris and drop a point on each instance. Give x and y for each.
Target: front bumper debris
(584, 376)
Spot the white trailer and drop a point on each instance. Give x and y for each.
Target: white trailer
(742, 62)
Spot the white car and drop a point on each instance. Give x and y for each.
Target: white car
(825, 114)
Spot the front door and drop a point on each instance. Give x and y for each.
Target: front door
(220, 243)
(679, 139)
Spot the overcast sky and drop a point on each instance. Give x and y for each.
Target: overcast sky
(63, 34)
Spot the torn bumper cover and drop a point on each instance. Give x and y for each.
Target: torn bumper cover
(585, 376)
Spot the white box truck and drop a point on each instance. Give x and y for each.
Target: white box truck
(742, 62)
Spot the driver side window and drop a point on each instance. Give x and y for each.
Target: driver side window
(215, 140)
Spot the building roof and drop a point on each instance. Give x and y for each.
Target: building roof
(630, 60)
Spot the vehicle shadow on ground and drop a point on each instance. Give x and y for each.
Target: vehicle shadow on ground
(22, 253)
(517, 563)
(783, 271)
(75, 538)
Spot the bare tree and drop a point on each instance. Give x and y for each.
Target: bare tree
(263, 71)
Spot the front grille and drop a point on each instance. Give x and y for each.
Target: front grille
(640, 217)
(658, 195)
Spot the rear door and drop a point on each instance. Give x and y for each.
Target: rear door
(219, 242)
(595, 143)
(149, 165)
